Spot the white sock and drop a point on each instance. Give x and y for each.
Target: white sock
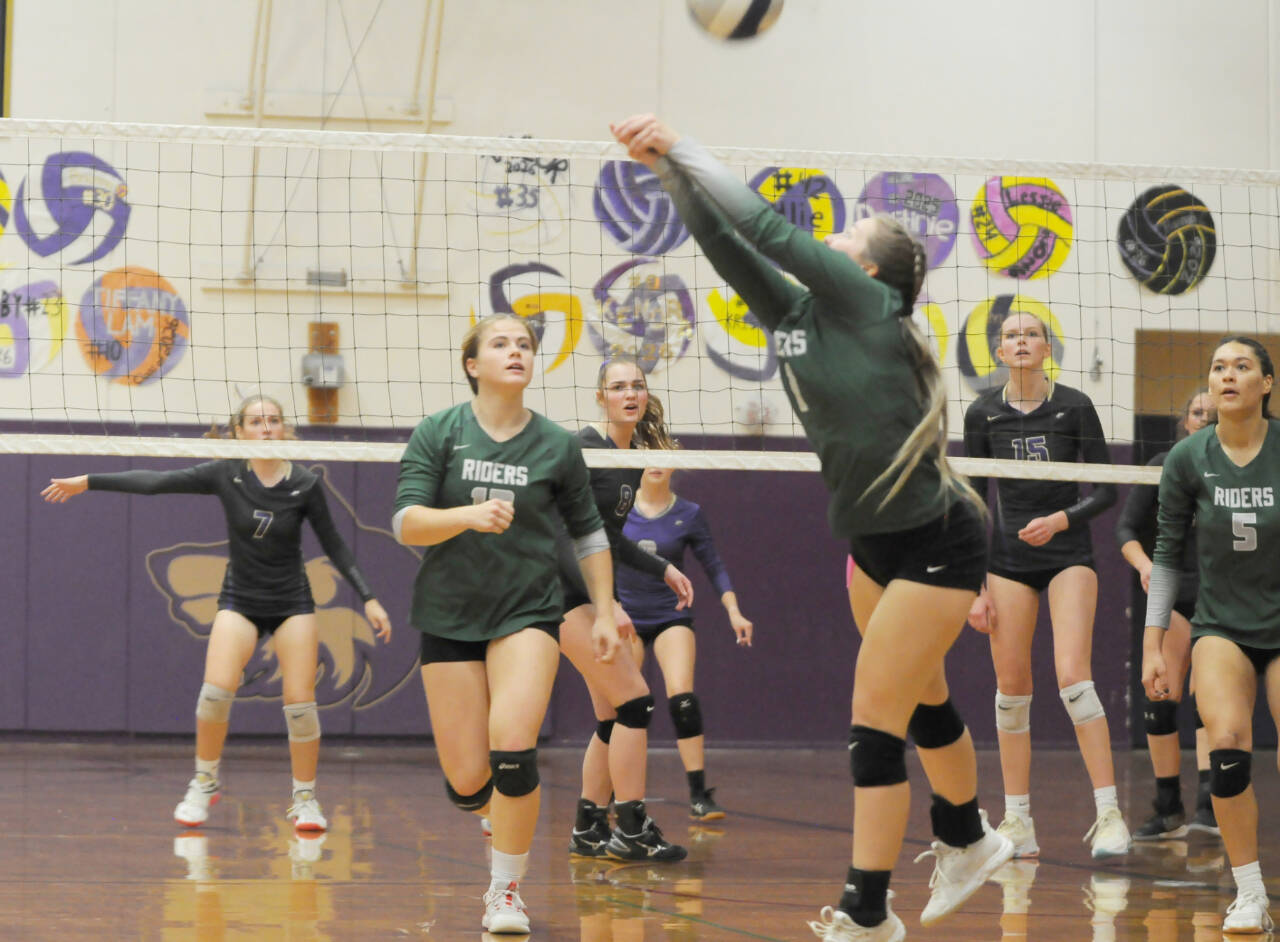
(1249, 879)
(301, 786)
(1105, 798)
(1019, 805)
(208, 766)
(507, 869)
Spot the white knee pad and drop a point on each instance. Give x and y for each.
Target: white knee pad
(1013, 714)
(1082, 702)
(214, 704)
(303, 721)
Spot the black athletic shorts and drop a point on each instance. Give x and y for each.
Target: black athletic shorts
(1036, 579)
(949, 552)
(437, 650)
(1185, 607)
(267, 624)
(1260, 658)
(649, 633)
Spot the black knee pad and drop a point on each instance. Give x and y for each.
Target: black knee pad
(604, 729)
(876, 758)
(933, 726)
(514, 773)
(1159, 717)
(1230, 771)
(637, 713)
(470, 802)
(686, 715)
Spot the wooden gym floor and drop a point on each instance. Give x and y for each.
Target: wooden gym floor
(88, 851)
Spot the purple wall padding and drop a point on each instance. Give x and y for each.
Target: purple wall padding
(95, 639)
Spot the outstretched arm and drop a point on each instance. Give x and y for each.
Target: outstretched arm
(196, 480)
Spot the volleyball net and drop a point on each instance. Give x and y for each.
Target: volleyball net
(153, 276)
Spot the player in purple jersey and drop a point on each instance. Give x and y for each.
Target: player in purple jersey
(1136, 534)
(666, 524)
(265, 593)
(1040, 540)
(618, 750)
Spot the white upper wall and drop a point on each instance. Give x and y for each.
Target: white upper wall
(1169, 82)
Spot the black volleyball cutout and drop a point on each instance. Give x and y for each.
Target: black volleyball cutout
(1167, 239)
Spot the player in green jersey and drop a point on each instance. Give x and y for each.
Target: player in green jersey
(1226, 477)
(484, 485)
(862, 381)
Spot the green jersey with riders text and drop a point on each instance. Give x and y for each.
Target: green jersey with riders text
(1237, 527)
(478, 586)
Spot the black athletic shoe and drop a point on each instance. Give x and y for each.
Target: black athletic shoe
(1162, 827)
(591, 841)
(649, 844)
(704, 808)
(1205, 821)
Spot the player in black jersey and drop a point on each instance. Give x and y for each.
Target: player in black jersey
(1226, 477)
(1040, 539)
(862, 380)
(617, 751)
(1136, 534)
(265, 593)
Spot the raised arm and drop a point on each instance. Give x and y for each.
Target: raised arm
(822, 270)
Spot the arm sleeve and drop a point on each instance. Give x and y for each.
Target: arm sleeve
(976, 445)
(825, 272)
(704, 548)
(766, 290)
(1161, 593)
(1093, 448)
(1139, 508)
(335, 546)
(628, 552)
(421, 469)
(201, 479)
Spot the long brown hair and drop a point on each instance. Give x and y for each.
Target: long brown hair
(651, 431)
(901, 264)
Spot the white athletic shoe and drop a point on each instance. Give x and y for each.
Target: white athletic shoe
(834, 925)
(1248, 914)
(305, 812)
(1021, 833)
(202, 793)
(486, 829)
(504, 911)
(1109, 836)
(958, 872)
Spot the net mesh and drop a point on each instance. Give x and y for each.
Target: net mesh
(154, 276)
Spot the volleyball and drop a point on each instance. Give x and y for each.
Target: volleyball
(923, 202)
(735, 19)
(631, 205)
(57, 210)
(132, 326)
(980, 336)
(1021, 226)
(1167, 239)
(33, 323)
(649, 317)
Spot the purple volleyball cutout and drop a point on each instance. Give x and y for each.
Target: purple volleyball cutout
(74, 187)
(653, 321)
(635, 210)
(924, 203)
